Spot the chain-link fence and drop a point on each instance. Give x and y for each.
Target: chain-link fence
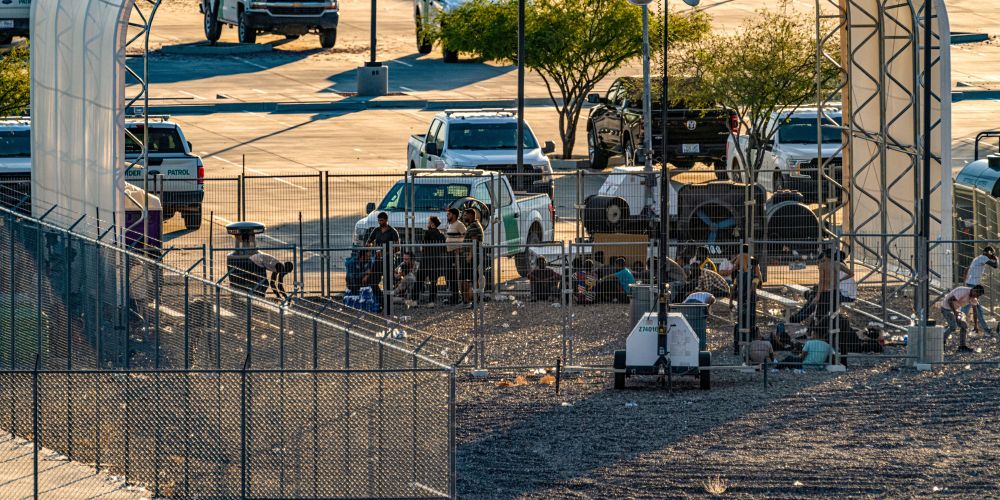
(188, 386)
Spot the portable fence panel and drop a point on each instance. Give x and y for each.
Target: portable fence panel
(347, 198)
(277, 202)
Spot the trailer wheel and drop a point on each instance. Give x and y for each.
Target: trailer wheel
(705, 376)
(192, 219)
(619, 370)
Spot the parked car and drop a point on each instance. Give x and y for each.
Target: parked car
(486, 140)
(615, 127)
(516, 223)
(15, 163)
(176, 174)
(793, 158)
(426, 12)
(291, 19)
(15, 19)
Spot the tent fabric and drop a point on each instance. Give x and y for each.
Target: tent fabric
(78, 89)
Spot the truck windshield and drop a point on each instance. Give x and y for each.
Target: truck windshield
(488, 136)
(803, 131)
(161, 140)
(15, 144)
(428, 197)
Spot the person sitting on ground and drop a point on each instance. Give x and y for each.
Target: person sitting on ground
(615, 286)
(406, 278)
(815, 354)
(585, 281)
(760, 351)
(361, 273)
(544, 281)
(950, 306)
(973, 277)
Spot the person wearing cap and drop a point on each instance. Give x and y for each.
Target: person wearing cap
(454, 236)
(973, 277)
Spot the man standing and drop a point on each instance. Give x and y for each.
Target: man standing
(973, 277)
(950, 305)
(473, 240)
(455, 235)
(747, 279)
(433, 259)
(381, 237)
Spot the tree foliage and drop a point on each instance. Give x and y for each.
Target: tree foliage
(769, 64)
(572, 44)
(15, 82)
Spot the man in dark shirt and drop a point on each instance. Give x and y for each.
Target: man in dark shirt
(474, 239)
(434, 260)
(383, 234)
(544, 281)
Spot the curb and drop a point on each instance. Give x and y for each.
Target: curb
(975, 95)
(346, 104)
(219, 49)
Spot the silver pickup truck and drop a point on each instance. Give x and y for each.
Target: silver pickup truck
(289, 18)
(523, 219)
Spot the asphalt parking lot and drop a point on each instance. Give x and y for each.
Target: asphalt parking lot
(367, 139)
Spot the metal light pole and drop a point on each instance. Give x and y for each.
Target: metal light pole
(520, 86)
(663, 352)
(924, 230)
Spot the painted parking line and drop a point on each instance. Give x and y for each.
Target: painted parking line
(251, 63)
(259, 172)
(408, 89)
(196, 96)
(408, 65)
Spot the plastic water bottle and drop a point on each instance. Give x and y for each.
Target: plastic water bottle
(779, 329)
(906, 339)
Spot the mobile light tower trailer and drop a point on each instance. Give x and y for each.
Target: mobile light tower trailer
(642, 354)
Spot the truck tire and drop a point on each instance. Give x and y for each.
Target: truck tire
(247, 32)
(605, 214)
(192, 219)
(522, 261)
(597, 156)
(328, 38)
(720, 170)
(450, 56)
(619, 370)
(213, 28)
(705, 376)
(424, 46)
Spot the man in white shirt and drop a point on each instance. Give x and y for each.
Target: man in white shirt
(454, 236)
(950, 306)
(973, 277)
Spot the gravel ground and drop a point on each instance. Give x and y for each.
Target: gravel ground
(870, 432)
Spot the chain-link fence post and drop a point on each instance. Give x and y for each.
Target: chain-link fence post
(243, 426)
(452, 447)
(40, 266)
(35, 438)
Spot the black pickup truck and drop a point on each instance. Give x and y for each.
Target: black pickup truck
(614, 127)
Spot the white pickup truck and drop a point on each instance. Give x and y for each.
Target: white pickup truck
(15, 19)
(176, 175)
(521, 220)
(791, 160)
(483, 139)
(283, 17)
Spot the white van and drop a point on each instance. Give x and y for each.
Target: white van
(15, 19)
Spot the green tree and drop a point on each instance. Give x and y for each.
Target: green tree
(572, 44)
(768, 65)
(15, 82)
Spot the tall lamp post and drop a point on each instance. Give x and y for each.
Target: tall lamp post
(663, 353)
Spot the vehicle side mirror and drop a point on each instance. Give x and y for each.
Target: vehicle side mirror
(594, 98)
(369, 208)
(550, 147)
(431, 148)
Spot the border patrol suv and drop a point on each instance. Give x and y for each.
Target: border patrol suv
(289, 18)
(176, 174)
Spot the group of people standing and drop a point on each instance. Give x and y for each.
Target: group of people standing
(446, 253)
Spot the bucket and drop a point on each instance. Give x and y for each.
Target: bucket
(696, 316)
(643, 300)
